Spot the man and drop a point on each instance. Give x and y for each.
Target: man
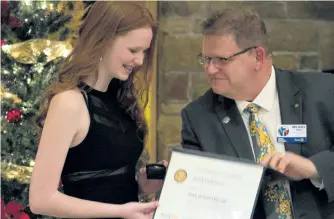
(248, 100)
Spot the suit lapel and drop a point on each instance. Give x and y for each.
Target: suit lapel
(290, 100)
(231, 121)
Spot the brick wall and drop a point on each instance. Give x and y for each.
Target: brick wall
(301, 36)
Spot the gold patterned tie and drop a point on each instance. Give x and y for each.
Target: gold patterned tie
(277, 199)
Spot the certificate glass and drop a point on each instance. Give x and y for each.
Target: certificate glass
(202, 185)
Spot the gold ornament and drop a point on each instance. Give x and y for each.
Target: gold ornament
(76, 12)
(27, 52)
(21, 173)
(7, 95)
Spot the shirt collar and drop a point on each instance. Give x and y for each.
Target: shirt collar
(265, 99)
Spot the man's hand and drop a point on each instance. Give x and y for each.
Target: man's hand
(291, 165)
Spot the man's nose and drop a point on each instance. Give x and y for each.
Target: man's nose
(210, 68)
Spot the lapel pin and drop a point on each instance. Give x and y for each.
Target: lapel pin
(296, 105)
(226, 119)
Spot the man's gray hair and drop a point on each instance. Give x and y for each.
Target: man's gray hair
(245, 26)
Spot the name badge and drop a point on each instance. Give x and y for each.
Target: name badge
(292, 133)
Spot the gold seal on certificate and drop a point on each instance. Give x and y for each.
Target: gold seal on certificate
(180, 175)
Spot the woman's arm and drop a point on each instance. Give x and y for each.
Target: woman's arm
(62, 124)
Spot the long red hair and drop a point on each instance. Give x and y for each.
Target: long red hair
(102, 22)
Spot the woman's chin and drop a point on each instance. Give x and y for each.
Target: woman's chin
(123, 77)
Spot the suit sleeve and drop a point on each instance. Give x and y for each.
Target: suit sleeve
(324, 161)
(189, 139)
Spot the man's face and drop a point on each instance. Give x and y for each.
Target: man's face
(233, 77)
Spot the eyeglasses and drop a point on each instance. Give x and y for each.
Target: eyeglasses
(203, 60)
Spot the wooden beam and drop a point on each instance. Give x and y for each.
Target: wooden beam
(152, 105)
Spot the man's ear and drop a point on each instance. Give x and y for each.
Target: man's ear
(260, 55)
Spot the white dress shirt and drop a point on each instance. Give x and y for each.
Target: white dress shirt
(269, 114)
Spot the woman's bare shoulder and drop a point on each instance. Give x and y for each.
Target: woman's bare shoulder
(70, 100)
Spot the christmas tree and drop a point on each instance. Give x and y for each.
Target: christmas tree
(35, 37)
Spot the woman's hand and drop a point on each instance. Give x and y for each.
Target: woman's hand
(136, 210)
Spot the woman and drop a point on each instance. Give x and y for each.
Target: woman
(93, 126)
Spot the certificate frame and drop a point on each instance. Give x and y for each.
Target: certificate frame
(226, 158)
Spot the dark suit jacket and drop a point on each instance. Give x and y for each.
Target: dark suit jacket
(203, 129)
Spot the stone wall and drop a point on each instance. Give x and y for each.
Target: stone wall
(301, 36)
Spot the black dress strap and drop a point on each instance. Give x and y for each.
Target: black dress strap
(85, 97)
(89, 107)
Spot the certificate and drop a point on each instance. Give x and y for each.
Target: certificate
(200, 185)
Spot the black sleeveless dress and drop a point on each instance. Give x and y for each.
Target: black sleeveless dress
(102, 167)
